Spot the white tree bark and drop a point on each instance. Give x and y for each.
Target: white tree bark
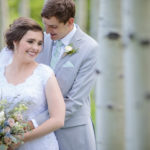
(98, 111)
(110, 98)
(4, 20)
(24, 8)
(137, 72)
(81, 17)
(94, 15)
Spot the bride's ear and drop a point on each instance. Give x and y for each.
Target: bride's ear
(15, 44)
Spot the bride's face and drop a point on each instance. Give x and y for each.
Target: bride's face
(29, 46)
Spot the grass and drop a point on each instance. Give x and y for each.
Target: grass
(93, 106)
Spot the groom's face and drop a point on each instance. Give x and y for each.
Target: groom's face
(56, 29)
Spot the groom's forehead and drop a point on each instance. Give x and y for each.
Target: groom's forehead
(51, 21)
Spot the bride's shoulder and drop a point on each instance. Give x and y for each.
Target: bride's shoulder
(45, 69)
(44, 72)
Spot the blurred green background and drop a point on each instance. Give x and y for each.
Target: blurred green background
(35, 9)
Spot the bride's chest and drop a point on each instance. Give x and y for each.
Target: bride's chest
(32, 91)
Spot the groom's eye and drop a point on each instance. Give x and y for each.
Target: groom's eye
(52, 26)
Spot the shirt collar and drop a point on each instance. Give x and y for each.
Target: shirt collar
(66, 40)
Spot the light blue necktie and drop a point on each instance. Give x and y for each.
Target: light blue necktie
(56, 54)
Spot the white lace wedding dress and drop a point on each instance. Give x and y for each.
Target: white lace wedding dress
(33, 90)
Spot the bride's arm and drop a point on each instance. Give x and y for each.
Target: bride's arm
(56, 107)
(39, 119)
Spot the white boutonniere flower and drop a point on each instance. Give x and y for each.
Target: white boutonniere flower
(69, 50)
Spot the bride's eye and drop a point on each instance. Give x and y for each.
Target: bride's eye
(30, 41)
(40, 43)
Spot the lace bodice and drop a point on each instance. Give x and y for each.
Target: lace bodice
(31, 90)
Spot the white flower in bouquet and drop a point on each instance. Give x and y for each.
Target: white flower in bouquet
(18, 116)
(11, 122)
(2, 116)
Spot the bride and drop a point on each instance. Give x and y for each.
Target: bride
(32, 82)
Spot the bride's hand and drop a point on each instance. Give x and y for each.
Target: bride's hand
(30, 124)
(14, 146)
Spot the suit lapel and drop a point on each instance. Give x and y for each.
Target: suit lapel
(76, 41)
(46, 54)
(50, 55)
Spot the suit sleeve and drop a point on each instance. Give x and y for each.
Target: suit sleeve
(82, 85)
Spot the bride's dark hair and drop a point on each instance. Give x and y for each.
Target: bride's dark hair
(18, 29)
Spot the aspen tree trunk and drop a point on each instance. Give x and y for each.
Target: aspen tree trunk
(94, 15)
(110, 100)
(24, 8)
(98, 111)
(136, 15)
(4, 20)
(81, 17)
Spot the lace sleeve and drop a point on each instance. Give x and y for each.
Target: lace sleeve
(46, 73)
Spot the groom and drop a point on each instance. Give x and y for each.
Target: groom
(74, 70)
(72, 55)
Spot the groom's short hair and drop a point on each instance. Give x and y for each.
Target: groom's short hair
(63, 10)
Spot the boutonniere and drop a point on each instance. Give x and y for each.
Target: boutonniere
(69, 50)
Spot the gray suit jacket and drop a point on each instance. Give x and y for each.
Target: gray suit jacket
(75, 81)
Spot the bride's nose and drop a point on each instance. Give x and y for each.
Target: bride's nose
(36, 47)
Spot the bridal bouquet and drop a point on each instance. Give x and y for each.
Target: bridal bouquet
(12, 123)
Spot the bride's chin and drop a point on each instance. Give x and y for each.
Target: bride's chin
(29, 60)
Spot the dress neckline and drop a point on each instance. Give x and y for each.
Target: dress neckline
(21, 83)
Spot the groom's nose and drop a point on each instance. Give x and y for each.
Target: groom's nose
(47, 29)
